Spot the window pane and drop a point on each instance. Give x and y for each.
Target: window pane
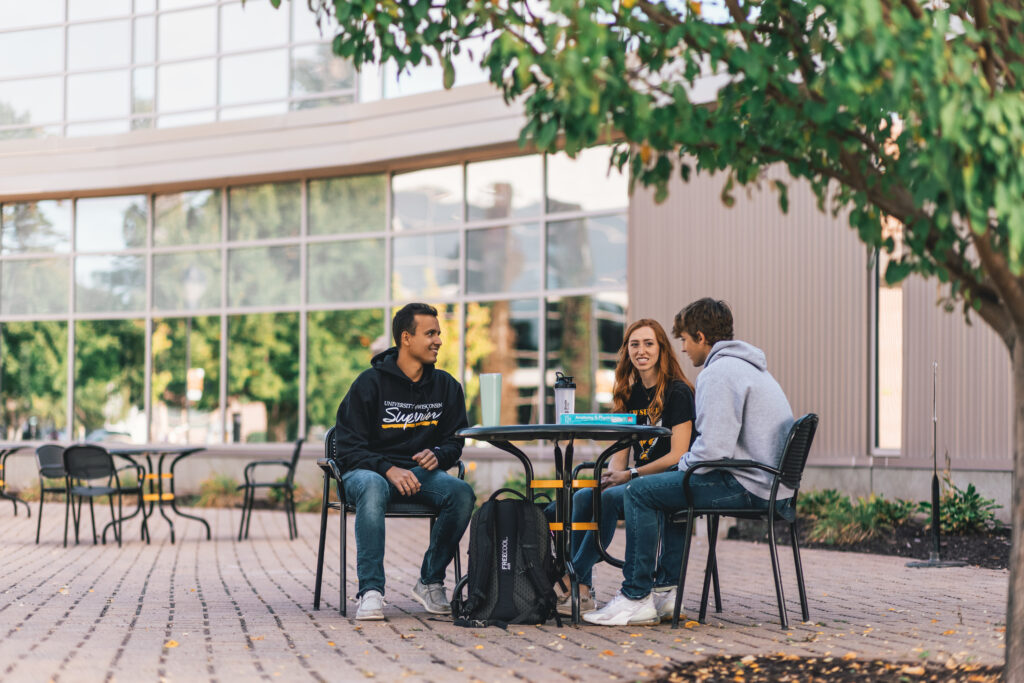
(98, 46)
(263, 377)
(350, 271)
(585, 183)
(426, 266)
(314, 103)
(187, 86)
(304, 26)
(587, 252)
(329, 373)
(34, 286)
(263, 276)
(36, 226)
(262, 211)
(187, 34)
(186, 218)
(18, 13)
(504, 337)
(584, 334)
(889, 345)
(427, 198)
(110, 283)
(109, 371)
(504, 188)
(145, 40)
(186, 281)
(46, 47)
(111, 223)
(98, 96)
(97, 9)
(254, 77)
(39, 100)
(315, 69)
(34, 380)
(342, 205)
(505, 259)
(251, 26)
(186, 380)
(143, 90)
(190, 119)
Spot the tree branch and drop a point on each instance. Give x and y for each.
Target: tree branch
(1008, 285)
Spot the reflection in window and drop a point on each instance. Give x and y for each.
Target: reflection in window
(110, 223)
(584, 334)
(45, 45)
(315, 69)
(143, 90)
(587, 252)
(263, 377)
(504, 337)
(110, 283)
(37, 100)
(889, 346)
(505, 188)
(109, 371)
(427, 198)
(36, 226)
(33, 380)
(346, 205)
(186, 281)
(586, 183)
(186, 380)
(339, 347)
(36, 286)
(254, 77)
(349, 271)
(426, 266)
(261, 211)
(186, 218)
(263, 276)
(505, 259)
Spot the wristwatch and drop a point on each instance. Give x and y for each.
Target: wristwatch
(633, 473)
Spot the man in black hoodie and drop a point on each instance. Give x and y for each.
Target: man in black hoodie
(396, 437)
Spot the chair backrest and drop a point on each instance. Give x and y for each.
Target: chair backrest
(88, 461)
(295, 460)
(330, 445)
(798, 446)
(50, 460)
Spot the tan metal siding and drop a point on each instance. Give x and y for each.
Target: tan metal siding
(797, 285)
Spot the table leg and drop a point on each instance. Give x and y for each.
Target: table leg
(173, 498)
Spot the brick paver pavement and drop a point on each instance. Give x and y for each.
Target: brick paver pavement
(224, 610)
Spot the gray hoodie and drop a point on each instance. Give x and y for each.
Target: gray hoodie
(741, 413)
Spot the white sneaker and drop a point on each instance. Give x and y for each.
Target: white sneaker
(665, 602)
(432, 597)
(371, 606)
(621, 611)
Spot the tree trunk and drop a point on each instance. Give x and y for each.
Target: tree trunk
(1015, 602)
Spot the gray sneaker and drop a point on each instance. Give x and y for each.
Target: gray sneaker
(432, 597)
(665, 602)
(371, 606)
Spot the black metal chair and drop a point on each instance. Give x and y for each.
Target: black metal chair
(286, 487)
(394, 509)
(86, 463)
(50, 461)
(788, 473)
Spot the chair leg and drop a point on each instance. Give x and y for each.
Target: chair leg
(39, 521)
(245, 504)
(344, 568)
(320, 547)
(248, 512)
(710, 570)
(67, 513)
(778, 575)
(682, 570)
(289, 509)
(794, 534)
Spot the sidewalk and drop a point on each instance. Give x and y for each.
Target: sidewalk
(226, 610)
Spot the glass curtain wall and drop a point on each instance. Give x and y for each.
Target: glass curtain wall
(243, 313)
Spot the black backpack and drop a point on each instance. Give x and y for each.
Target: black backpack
(512, 570)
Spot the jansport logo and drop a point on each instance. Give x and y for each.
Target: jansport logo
(505, 564)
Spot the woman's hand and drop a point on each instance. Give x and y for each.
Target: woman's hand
(614, 478)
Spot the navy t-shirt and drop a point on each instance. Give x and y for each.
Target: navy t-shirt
(677, 409)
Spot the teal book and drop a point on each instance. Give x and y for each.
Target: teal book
(598, 419)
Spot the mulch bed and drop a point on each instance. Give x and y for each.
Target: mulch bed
(782, 668)
(912, 540)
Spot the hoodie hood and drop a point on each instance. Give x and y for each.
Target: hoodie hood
(387, 361)
(738, 349)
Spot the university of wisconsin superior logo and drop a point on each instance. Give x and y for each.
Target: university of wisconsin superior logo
(399, 415)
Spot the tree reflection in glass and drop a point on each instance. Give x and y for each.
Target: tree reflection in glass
(504, 337)
(263, 377)
(186, 379)
(109, 371)
(33, 380)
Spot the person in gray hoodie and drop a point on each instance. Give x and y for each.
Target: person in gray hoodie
(742, 413)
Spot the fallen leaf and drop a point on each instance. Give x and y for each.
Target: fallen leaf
(608, 653)
(254, 638)
(171, 643)
(913, 670)
(691, 624)
(479, 647)
(850, 655)
(634, 635)
(561, 636)
(330, 643)
(949, 632)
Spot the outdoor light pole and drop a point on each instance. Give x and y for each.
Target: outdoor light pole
(933, 557)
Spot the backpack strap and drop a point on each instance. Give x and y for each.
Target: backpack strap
(532, 551)
(480, 558)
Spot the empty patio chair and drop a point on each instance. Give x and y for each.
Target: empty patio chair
(84, 466)
(50, 461)
(285, 486)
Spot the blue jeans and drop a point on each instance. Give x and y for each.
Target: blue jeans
(585, 553)
(371, 492)
(648, 502)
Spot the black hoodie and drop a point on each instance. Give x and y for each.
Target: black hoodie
(385, 418)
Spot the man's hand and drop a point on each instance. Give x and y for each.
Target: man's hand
(404, 480)
(426, 459)
(614, 478)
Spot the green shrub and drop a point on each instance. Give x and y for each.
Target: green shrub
(964, 512)
(219, 490)
(834, 518)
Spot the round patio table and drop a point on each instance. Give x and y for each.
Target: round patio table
(622, 436)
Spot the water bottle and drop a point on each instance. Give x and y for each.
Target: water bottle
(565, 396)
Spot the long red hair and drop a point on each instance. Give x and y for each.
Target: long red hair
(626, 375)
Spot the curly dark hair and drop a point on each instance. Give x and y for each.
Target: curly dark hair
(405, 319)
(710, 317)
